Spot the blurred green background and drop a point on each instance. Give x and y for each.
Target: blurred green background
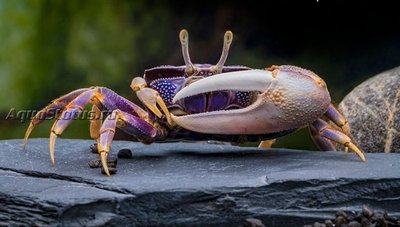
(51, 47)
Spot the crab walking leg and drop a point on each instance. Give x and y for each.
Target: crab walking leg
(128, 123)
(95, 122)
(266, 143)
(322, 143)
(334, 115)
(103, 98)
(71, 112)
(326, 131)
(52, 110)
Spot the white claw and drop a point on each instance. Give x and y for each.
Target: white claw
(249, 80)
(288, 99)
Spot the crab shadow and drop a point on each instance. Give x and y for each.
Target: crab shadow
(160, 151)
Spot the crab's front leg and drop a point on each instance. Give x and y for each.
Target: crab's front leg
(144, 131)
(124, 115)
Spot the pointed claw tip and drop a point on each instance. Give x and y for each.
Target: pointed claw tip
(363, 158)
(103, 158)
(53, 162)
(52, 142)
(27, 133)
(359, 153)
(23, 145)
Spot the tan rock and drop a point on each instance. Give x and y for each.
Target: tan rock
(373, 112)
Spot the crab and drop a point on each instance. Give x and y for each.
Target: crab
(206, 102)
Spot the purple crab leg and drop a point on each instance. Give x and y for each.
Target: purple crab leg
(72, 111)
(322, 143)
(133, 125)
(334, 115)
(327, 131)
(95, 122)
(73, 104)
(51, 110)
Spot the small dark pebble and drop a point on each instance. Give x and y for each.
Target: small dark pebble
(365, 221)
(93, 148)
(341, 213)
(328, 223)
(367, 212)
(317, 224)
(354, 224)
(365, 218)
(96, 163)
(125, 154)
(340, 220)
(112, 162)
(253, 222)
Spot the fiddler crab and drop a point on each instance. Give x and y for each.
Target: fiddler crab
(207, 102)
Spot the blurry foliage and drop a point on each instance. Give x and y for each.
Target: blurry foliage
(51, 47)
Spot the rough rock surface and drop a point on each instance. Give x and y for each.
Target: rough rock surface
(373, 112)
(186, 184)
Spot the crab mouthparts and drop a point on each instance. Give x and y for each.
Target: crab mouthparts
(231, 121)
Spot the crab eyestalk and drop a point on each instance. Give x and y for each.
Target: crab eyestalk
(228, 37)
(184, 38)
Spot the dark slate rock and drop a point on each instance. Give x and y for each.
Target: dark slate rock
(373, 112)
(186, 184)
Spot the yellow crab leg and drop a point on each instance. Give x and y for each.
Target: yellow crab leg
(266, 143)
(95, 122)
(150, 98)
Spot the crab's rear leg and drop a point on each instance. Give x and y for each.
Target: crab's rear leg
(321, 142)
(52, 110)
(142, 130)
(326, 131)
(71, 112)
(336, 117)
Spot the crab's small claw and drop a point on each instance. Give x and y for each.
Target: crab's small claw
(287, 97)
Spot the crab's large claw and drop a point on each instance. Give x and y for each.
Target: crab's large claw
(288, 97)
